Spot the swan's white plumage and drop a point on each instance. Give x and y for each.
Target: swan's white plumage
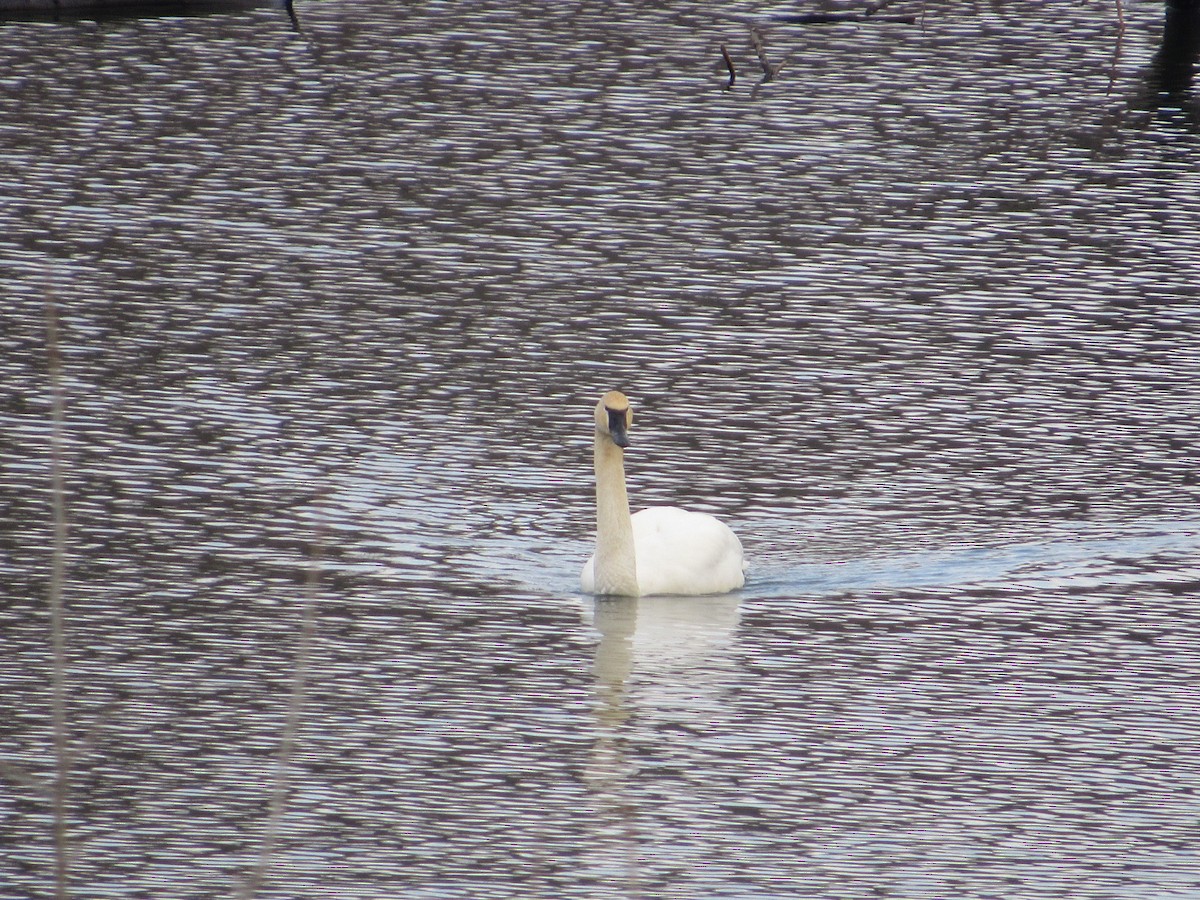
(680, 552)
(661, 550)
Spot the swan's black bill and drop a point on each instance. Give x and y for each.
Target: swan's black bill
(616, 428)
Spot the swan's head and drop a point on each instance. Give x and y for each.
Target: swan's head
(613, 418)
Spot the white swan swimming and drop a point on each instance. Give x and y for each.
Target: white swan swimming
(661, 550)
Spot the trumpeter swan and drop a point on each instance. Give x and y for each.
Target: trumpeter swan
(661, 550)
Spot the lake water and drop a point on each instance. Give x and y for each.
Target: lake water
(919, 318)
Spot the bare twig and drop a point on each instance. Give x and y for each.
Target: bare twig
(833, 18)
(58, 676)
(729, 65)
(760, 48)
(292, 724)
(1116, 61)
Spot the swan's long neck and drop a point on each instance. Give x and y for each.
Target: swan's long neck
(616, 563)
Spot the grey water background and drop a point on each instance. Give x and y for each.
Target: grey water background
(918, 318)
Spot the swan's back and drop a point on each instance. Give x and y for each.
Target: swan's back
(682, 552)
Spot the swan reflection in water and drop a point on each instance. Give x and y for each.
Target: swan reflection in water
(660, 667)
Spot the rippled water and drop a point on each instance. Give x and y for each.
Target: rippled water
(918, 318)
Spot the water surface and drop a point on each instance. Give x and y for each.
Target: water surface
(918, 319)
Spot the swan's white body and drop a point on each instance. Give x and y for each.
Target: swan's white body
(675, 552)
(661, 550)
